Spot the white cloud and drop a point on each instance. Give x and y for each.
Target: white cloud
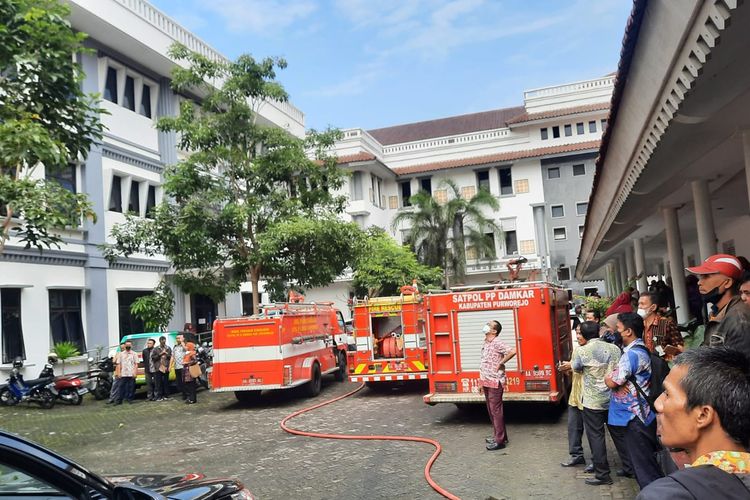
(364, 75)
(260, 16)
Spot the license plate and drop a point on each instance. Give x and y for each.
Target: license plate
(82, 390)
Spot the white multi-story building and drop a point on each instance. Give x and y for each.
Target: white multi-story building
(537, 159)
(72, 293)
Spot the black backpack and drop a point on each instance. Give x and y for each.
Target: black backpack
(659, 371)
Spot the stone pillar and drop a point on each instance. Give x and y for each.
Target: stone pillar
(640, 264)
(704, 219)
(630, 263)
(622, 265)
(674, 250)
(540, 231)
(608, 278)
(667, 267)
(616, 277)
(746, 148)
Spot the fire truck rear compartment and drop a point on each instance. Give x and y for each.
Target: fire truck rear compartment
(388, 339)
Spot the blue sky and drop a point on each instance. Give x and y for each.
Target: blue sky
(376, 63)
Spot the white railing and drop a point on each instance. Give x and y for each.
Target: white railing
(449, 141)
(175, 31)
(568, 88)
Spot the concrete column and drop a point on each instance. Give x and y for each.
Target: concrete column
(667, 267)
(640, 264)
(630, 262)
(674, 250)
(622, 265)
(746, 148)
(540, 231)
(609, 278)
(616, 277)
(660, 270)
(167, 106)
(704, 219)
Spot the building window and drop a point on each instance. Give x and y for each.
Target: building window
(65, 176)
(425, 184)
(592, 127)
(110, 86)
(511, 243)
(128, 97)
(134, 203)
(545, 134)
(247, 303)
(579, 169)
(521, 186)
(483, 180)
(563, 273)
(151, 202)
(555, 132)
(604, 125)
(580, 231)
(557, 211)
(441, 196)
(553, 173)
(115, 194)
(579, 128)
(468, 192)
(528, 247)
(559, 233)
(393, 202)
(128, 322)
(405, 193)
(568, 130)
(145, 108)
(10, 322)
(356, 186)
(506, 181)
(65, 317)
(582, 208)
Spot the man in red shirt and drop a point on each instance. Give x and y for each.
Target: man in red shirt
(492, 379)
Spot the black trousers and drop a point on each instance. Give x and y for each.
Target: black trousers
(594, 422)
(180, 382)
(127, 389)
(618, 437)
(190, 390)
(161, 383)
(149, 385)
(642, 447)
(575, 432)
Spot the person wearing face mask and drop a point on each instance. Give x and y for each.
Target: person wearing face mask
(128, 367)
(492, 379)
(718, 282)
(660, 334)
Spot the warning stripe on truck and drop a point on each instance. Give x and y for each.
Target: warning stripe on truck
(388, 378)
(387, 367)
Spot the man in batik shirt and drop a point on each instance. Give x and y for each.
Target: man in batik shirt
(492, 379)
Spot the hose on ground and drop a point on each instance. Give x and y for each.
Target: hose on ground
(357, 437)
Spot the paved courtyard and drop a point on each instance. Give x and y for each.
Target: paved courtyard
(220, 437)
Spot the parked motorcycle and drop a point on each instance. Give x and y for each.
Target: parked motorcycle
(204, 357)
(17, 390)
(99, 379)
(69, 388)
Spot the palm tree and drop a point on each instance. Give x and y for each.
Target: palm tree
(439, 232)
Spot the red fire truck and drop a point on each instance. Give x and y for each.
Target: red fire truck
(286, 345)
(534, 319)
(390, 339)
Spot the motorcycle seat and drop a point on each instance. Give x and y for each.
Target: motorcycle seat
(37, 381)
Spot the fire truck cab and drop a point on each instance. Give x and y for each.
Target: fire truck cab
(286, 345)
(534, 319)
(390, 339)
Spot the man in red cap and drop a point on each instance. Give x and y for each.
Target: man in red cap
(718, 282)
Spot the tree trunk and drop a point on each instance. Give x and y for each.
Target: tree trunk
(459, 250)
(254, 279)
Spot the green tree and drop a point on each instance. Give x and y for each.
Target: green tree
(384, 266)
(156, 308)
(45, 118)
(440, 232)
(248, 203)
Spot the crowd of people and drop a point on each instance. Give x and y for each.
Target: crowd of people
(159, 361)
(697, 413)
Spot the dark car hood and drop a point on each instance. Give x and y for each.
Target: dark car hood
(181, 486)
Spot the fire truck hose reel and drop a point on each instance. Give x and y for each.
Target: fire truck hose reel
(355, 437)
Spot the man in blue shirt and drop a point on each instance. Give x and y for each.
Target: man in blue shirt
(630, 415)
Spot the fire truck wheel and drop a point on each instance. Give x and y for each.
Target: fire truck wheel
(247, 396)
(341, 372)
(312, 388)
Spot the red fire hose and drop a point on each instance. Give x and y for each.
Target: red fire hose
(428, 466)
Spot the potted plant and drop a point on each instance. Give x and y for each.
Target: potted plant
(64, 351)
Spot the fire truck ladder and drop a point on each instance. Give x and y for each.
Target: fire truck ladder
(445, 337)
